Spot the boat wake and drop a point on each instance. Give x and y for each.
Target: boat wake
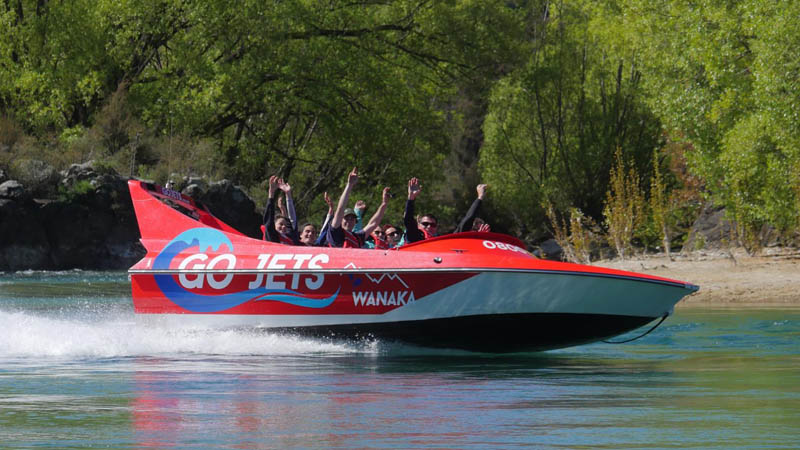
(27, 335)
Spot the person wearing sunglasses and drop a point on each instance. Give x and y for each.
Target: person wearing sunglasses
(378, 240)
(393, 236)
(426, 226)
(341, 233)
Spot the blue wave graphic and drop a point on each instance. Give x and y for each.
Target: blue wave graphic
(297, 299)
(209, 238)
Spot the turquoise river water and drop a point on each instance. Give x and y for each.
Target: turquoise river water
(79, 370)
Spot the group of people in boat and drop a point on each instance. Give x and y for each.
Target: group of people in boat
(343, 226)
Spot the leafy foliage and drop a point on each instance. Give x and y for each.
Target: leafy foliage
(540, 93)
(723, 75)
(554, 124)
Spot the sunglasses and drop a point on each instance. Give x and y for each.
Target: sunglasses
(428, 224)
(378, 233)
(393, 234)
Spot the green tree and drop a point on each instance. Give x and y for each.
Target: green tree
(554, 124)
(303, 89)
(53, 62)
(723, 77)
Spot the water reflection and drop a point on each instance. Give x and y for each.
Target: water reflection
(361, 400)
(651, 393)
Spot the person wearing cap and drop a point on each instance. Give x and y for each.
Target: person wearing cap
(340, 232)
(350, 216)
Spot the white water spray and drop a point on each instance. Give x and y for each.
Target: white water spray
(25, 334)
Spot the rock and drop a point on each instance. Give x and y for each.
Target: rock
(111, 190)
(550, 250)
(92, 229)
(194, 190)
(230, 204)
(188, 181)
(3, 176)
(95, 226)
(23, 240)
(710, 231)
(12, 189)
(40, 178)
(78, 172)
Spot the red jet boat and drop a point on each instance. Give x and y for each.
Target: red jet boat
(473, 291)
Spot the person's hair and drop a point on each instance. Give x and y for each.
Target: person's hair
(279, 217)
(431, 216)
(477, 223)
(307, 224)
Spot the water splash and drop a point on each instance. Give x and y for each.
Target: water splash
(95, 336)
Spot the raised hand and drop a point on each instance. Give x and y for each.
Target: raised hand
(386, 194)
(329, 202)
(414, 188)
(481, 190)
(284, 186)
(273, 185)
(360, 206)
(352, 179)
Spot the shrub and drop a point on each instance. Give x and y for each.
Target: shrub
(10, 133)
(624, 206)
(80, 189)
(574, 234)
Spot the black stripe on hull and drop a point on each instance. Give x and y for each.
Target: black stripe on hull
(496, 333)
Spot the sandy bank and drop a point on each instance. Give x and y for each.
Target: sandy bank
(727, 279)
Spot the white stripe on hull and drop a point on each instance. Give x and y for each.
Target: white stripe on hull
(510, 293)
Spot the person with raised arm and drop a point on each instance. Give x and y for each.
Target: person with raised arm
(471, 222)
(340, 233)
(322, 237)
(288, 210)
(427, 225)
(278, 228)
(358, 210)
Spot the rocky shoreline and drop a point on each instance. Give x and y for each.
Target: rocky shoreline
(92, 225)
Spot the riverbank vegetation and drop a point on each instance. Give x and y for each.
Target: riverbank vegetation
(595, 121)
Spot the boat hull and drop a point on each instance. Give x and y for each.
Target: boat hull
(494, 333)
(474, 291)
(497, 311)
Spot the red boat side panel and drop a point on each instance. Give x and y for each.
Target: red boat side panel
(288, 293)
